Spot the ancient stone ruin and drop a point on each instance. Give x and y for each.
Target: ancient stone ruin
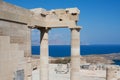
(16, 62)
(15, 40)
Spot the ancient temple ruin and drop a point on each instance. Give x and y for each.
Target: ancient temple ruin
(16, 62)
(15, 40)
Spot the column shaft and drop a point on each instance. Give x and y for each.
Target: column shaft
(75, 55)
(44, 56)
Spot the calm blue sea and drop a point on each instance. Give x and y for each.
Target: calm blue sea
(64, 50)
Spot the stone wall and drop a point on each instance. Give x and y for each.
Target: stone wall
(18, 33)
(15, 42)
(13, 23)
(15, 47)
(11, 58)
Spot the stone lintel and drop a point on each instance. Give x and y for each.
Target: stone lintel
(60, 24)
(34, 23)
(54, 24)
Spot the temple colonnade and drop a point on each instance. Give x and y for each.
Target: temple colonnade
(75, 54)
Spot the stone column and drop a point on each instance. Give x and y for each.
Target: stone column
(111, 73)
(75, 54)
(44, 55)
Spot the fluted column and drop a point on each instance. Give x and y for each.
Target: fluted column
(44, 55)
(75, 54)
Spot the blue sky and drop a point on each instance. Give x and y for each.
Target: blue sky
(100, 20)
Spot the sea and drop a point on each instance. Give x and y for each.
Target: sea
(65, 50)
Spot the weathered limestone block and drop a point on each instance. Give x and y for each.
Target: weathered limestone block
(40, 11)
(59, 11)
(9, 61)
(112, 73)
(74, 13)
(61, 14)
(1, 32)
(60, 24)
(52, 17)
(14, 9)
(17, 39)
(56, 18)
(19, 33)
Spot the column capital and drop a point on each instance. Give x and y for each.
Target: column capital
(76, 28)
(38, 27)
(31, 26)
(44, 29)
